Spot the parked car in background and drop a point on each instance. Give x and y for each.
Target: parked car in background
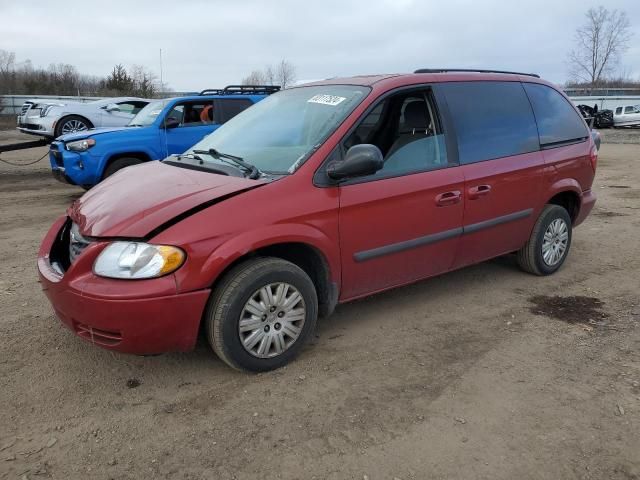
(628, 116)
(51, 119)
(317, 195)
(596, 118)
(162, 128)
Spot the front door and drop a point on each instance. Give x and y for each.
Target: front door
(404, 222)
(196, 122)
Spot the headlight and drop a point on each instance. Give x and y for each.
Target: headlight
(81, 145)
(44, 111)
(135, 260)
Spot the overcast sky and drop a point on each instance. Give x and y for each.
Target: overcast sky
(215, 43)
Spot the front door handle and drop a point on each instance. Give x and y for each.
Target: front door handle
(478, 191)
(448, 198)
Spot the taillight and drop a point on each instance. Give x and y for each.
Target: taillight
(593, 156)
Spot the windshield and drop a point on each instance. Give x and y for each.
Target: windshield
(148, 114)
(280, 132)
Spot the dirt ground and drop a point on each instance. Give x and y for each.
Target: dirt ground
(484, 373)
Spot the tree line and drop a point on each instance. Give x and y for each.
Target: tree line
(22, 78)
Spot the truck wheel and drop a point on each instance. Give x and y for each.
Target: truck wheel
(72, 124)
(261, 314)
(548, 247)
(119, 164)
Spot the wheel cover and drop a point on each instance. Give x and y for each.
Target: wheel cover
(555, 242)
(272, 320)
(71, 126)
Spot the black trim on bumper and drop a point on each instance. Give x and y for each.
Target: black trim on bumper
(58, 174)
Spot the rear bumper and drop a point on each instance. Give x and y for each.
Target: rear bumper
(140, 317)
(587, 201)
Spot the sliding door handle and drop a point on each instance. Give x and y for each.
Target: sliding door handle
(478, 191)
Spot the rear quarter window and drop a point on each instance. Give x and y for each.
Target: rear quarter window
(231, 107)
(491, 120)
(557, 120)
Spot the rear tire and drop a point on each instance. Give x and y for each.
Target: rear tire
(119, 164)
(255, 329)
(549, 243)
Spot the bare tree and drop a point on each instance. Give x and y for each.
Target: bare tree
(256, 77)
(283, 74)
(599, 43)
(144, 82)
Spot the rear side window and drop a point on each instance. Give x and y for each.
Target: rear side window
(558, 122)
(492, 120)
(231, 107)
(618, 110)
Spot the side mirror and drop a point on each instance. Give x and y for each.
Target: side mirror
(111, 107)
(171, 122)
(360, 160)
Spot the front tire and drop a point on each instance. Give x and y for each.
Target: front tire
(549, 243)
(72, 124)
(261, 314)
(119, 164)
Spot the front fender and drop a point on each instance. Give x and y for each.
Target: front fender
(238, 246)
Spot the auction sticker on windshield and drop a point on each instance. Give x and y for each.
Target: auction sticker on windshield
(327, 99)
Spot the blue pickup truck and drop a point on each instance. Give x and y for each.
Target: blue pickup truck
(160, 129)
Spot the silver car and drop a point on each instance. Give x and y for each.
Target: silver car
(50, 118)
(628, 116)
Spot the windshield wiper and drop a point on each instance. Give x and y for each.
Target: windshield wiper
(191, 156)
(252, 169)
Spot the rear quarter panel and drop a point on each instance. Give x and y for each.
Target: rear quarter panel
(568, 168)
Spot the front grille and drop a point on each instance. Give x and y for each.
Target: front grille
(57, 154)
(30, 126)
(25, 107)
(99, 336)
(77, 243)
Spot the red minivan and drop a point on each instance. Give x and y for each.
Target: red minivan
(315, 196)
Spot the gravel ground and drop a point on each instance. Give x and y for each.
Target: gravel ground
(483, 373)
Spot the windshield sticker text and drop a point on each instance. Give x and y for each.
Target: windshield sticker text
(327, 100)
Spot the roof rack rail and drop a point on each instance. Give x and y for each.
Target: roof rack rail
(242, 90)
(445, 70)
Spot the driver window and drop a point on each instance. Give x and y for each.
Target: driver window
(406, 129)
(193, 113)
(176, 113)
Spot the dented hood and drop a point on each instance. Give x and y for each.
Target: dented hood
(138, 200)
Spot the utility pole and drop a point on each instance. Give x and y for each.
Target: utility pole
(161, 82)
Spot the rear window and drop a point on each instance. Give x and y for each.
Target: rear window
(492, 120)
(557, 120)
